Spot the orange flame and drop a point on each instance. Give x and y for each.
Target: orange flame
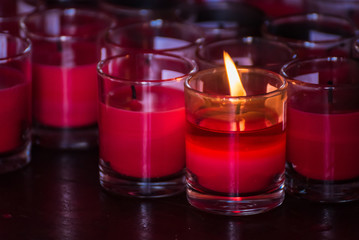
(235, 84)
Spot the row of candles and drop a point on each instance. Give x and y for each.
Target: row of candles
(164, 106)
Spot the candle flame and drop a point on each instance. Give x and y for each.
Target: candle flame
(235, 84)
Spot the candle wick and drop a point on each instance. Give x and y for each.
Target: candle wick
(221, 25)
(330, 92)
(238, 109)
(133, 90)
(59, 46)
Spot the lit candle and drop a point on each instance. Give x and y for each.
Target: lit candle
(235, 141)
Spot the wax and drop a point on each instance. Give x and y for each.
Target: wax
(14, 109)
(143, 138)
(65, 96)
(323, 146)
(65, 85)
(235, 162)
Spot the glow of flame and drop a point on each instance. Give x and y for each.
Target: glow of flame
(235, 84)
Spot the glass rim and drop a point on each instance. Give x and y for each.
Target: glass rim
(25, 50)
(235, 6)
(195, 29)
(191, 63)
(241, 40)
(71, 11)
(225, 97)
(307, 17)
(296, 62)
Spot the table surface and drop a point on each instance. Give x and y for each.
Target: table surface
(58, 196)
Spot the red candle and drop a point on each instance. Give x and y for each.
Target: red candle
(235, 140)
(66, 50)
(14, 109)
(142, 123)
(65, 96)
(323, 131)
(15, 103)
(312, 35)
(324, 146)
(143, 137)
(65, 84)
(231, 161)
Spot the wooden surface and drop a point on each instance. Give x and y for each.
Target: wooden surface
(58, 196)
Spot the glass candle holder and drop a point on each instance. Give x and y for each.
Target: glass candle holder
(157, 35)
(12, 11)
(323, 132)
(344, 8)
(279, 8)
(15, 102)
(141, 124)
(222, 20)
(127, 11)
(235, 145)
(246, 52)
(312, 34)
(66, 50)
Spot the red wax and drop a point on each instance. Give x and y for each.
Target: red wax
(65, 83)
(14, 109)
(65, 96)
(324, 146)
(143, 138)
(235, 162)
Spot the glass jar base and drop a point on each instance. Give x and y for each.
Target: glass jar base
(235, 206)
(66, 138)
(321, 191)
(15, 160)
(138, 187)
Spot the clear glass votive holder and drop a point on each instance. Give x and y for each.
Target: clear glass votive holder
(344, 8)
(225, 19)
(127, 11)
(246, 52)
(142, 124)
(235, 145)
(313, 35)
(12, 11)
(66, 50)
(156, 35)
(15, 102)
(322, 129)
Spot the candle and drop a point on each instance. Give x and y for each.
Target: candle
(312, 34)
(145, 132)
(221, 20)
(15, 103)
(235, 140)
(323, 133)
(14, 110)
(245, 52)
(347, 9)
(11, 12)
(230, 161)
(142, 124)
(156, 35)
(65, 95)
(66, 49)
(328, 144)
(278, 8)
